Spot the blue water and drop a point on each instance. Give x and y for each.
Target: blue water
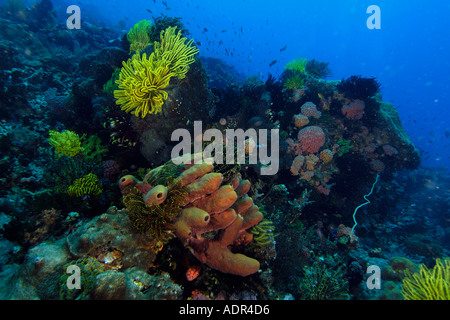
(408, 55)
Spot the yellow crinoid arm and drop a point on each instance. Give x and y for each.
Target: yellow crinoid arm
(138, 35)
(172, 48)
(428, 284)
(141, 83)
(298, 64)
(66, 142)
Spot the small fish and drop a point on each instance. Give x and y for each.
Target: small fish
(148, 10)
(224, 30)
(164, 3)
(198, 43)
(272, 63)
(205, 29)
(168, 8)
(284, 48)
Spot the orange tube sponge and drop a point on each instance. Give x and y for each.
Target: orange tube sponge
(196, 171)
(235, 181)
(219, 201)
(127, 181)
(207, 184)
(130, 181)
(215, 253)
(243, 204)
(190, 222)
(208, 205)
(223, 219)
(157, 195)
(251, 217)
(243, 188)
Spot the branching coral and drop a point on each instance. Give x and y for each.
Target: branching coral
(428, 284)
(141, 83)
(66, 142)
(138, 35)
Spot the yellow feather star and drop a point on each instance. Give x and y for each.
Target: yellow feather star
(66, 142)
(172, 48)
(141, 83)
(138, 35)
(141, 80)
(428, 284)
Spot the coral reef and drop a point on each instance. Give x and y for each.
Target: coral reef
(196, 231)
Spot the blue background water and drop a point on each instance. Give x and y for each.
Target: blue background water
(408, 55)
